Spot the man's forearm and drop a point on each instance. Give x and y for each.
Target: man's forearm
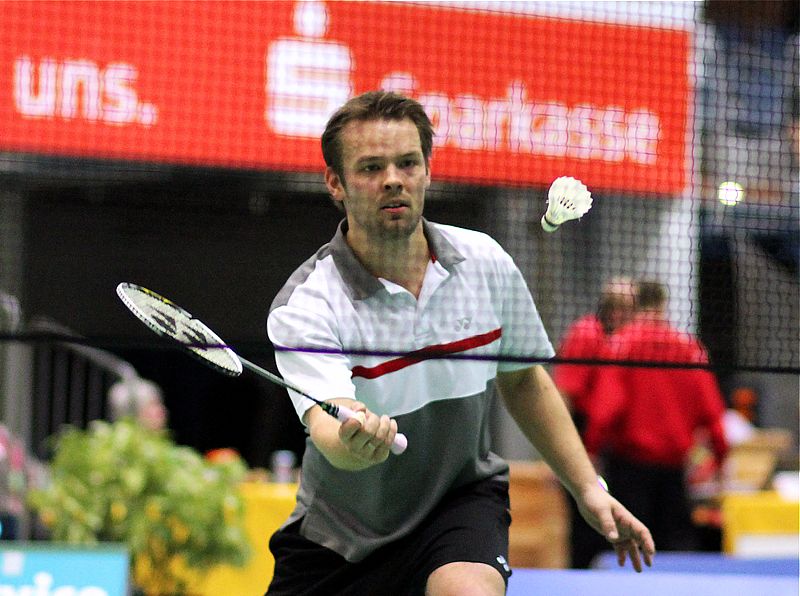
(353, 445)
(324, 431)
(535, 404)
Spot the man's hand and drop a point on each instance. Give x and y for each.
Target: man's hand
(368, 438)
(630, 537)
(355, 444)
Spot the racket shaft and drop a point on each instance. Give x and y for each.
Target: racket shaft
(343, 413)
(274, 378)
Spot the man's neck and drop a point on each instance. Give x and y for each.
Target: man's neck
(652, 314)
(403, 261)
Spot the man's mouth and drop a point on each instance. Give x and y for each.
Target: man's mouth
(394, 207)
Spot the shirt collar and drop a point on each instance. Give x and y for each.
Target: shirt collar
(360, 283)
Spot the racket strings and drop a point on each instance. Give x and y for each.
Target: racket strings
(169, 320)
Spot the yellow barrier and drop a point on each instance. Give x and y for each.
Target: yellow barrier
(268, 506)
(538, 535)
(754, 523)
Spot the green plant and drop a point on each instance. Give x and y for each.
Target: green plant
(178, 513)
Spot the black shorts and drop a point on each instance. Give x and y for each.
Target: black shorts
(470, 525)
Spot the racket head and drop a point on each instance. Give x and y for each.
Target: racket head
(167, 319)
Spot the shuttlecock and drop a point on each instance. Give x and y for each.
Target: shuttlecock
(568, 198)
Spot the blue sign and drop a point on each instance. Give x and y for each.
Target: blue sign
(61, 570)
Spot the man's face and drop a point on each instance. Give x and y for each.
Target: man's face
(385, 178)
(621, 311)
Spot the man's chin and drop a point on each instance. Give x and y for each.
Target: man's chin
(402, 227)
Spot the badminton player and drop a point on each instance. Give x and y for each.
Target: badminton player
(433, 520)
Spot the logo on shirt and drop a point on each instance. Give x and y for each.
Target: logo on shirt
(462, 323)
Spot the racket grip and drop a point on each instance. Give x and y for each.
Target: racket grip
(400, 441)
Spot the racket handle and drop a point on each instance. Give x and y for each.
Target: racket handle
(400, 441)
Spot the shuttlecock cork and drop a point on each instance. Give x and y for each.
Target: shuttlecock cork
(567, 199)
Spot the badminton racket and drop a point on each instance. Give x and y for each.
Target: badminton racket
(169, 320)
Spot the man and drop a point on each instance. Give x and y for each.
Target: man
(644, 419)
(585, 340)
(433, 520)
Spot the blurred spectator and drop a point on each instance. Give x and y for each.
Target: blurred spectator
(644, 419)
(139, 399)
(585, 340)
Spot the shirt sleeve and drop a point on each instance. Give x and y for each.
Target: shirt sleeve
(712, 404)
(712, 411)
(524, 335)
(309, 356)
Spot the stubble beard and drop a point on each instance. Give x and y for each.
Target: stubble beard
(400, 228)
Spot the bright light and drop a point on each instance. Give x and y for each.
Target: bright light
(730, 193)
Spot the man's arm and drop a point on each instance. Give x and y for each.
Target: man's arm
(536, 406)
(713, 412)
(352, 445)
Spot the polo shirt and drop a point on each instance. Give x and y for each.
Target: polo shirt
(340, 332)
(650, 414)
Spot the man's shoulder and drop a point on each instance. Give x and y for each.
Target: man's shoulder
(459, 234)
(584, 338)
(659, 341)
(585, 329)
(474, 245)
(308, 272)
(586, 324)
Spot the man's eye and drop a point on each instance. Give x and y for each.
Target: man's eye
(371, 167)
(409, 163)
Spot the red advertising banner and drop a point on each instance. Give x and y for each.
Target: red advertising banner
(515, 99)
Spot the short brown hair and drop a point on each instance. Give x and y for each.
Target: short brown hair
(374, 105)
(650, 295)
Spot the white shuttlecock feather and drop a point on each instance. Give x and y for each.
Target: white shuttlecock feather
(567, 199)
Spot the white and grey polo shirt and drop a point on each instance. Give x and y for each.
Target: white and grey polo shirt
(341, 332)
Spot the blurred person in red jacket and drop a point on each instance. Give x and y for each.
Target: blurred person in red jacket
(585, 339)
(644, 419)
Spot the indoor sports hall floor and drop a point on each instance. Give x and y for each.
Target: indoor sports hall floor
(674, 574)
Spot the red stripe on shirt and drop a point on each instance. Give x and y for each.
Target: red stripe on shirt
(439, 350)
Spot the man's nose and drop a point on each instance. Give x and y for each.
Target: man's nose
(393, 182)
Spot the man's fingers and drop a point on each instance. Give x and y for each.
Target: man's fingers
(349, 429)
(609, 527)
(648, 558)
(641, 537)
(621, 555)
(637, 542)
(369, 435)
(628, 549)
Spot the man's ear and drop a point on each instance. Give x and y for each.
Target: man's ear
(334, 184)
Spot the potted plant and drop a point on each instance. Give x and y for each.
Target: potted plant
(178, 514)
